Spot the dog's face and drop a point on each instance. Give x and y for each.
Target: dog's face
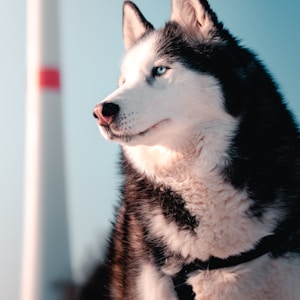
(161, 100)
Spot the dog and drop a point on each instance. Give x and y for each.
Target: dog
(211, 163)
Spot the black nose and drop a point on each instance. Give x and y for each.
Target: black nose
(106, 113)
(110, 109)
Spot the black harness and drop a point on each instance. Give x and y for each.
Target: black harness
(184, 291)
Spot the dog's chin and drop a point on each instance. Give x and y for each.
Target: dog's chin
(119, 136)
(128, 138)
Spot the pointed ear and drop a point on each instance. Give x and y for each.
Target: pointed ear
(134, 24)
(196, 17)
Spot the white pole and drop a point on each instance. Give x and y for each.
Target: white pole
(46, 257)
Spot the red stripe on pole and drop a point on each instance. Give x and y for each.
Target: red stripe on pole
(49, 78)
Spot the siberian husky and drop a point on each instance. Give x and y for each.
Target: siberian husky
(210, 203)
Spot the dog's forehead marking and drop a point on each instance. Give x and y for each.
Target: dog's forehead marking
(140, 57)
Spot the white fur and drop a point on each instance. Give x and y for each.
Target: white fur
(153, 286)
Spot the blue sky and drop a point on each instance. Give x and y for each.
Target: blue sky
(91, 53)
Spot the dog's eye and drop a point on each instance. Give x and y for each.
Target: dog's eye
(159, 71)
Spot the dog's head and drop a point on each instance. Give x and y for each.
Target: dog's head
(167, 89)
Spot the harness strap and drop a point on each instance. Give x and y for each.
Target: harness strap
(264, 246)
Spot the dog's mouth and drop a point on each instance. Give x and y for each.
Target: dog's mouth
(118, 136)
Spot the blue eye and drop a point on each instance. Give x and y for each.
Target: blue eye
(159, 71)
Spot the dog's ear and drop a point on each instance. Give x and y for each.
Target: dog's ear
(197, 19)
(134, 24)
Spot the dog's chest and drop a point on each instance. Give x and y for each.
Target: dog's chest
(217, 222)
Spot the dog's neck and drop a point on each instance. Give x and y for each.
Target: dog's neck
(172, 166)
